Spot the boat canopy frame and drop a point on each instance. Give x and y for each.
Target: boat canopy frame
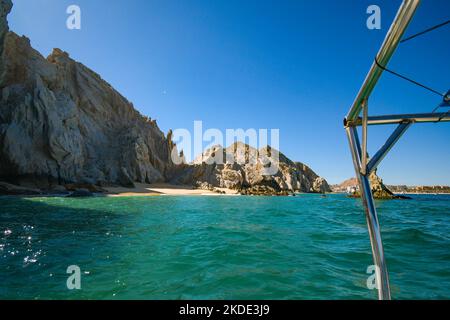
(362, 164)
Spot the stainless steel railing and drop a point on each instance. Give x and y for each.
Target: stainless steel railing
(363, 167)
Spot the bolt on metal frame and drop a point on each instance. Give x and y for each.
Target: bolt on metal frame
(364, 166)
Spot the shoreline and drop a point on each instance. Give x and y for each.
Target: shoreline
(405, 193)
(164, 189)
(430, 193)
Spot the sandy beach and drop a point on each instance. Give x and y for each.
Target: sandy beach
(158, 189)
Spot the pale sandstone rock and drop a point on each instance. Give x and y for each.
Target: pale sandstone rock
(379, 190)
(320, 185)
(244, 170)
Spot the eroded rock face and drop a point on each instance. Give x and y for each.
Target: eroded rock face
(243, 167)
(60, 122)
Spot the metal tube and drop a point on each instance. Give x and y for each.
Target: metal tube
(394, 119)
(382, 276)
(393, 37)
(364, 137)
(393, 138)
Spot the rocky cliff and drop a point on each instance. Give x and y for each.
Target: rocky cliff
(60, 122)
(243, 167)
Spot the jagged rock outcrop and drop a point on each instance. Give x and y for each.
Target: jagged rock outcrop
(379, 190)
(312, 182)
(243, 168)
(60, 122)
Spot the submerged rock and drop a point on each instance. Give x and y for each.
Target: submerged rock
(84, 186)
(80, 193)
(10, 189)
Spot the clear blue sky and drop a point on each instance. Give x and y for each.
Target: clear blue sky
(293, 65)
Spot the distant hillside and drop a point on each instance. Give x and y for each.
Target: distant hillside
(382, 191)
(342, 187)
(419, 189)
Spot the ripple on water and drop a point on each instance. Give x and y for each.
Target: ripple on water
(220, 247)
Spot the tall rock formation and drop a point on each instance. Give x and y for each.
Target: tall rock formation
(379, 190)
(61, 122)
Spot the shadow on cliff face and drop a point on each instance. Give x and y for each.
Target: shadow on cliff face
(41, 237)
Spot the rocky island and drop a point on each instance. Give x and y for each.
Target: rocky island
(379, 189)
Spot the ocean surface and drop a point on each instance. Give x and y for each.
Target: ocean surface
(220, 247)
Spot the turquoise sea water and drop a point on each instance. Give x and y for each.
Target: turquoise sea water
(220, 247)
